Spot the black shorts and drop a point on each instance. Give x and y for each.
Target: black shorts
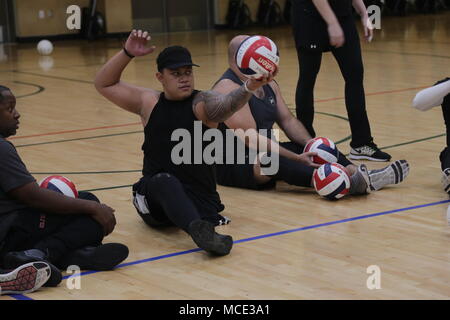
(311, 32)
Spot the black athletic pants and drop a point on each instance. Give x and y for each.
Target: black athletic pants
(53, 234)
(444, 157)
(162, 200)
(351, 65)
(296, 173)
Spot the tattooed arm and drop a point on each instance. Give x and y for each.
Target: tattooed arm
(212, 107)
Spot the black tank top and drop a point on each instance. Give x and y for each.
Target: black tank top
(339, 7)
(264, 111)
(166, 117)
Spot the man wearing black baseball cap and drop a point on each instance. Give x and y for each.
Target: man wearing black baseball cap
(169, 193)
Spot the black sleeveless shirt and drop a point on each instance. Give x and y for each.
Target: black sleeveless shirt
(264, 111)
(166, 117)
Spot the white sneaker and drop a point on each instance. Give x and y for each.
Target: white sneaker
(394, 173)
(27, 278)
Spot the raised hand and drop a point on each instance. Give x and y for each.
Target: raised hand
(254, 84)
(136, 43)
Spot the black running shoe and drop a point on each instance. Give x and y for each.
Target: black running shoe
(101, 258)
(203, 234)
(26, 278)
(369, 151)
(13, 260)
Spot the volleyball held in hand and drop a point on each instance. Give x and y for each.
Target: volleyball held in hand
(59, 184)
(325, 148)
(257, 56)
(331, 181)
(45, 47)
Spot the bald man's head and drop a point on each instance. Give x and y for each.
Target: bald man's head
(233, 47)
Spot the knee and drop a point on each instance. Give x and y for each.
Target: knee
(164, 180)
(88, 196)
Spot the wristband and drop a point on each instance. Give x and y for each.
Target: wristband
(127, 53)
(247, 89)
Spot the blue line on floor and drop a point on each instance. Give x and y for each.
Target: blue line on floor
(166, 256)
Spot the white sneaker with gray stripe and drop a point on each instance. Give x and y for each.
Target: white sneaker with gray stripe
(394, 173)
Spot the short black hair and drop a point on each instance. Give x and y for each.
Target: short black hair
(3, 88)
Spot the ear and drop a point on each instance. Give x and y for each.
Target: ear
(159, 76)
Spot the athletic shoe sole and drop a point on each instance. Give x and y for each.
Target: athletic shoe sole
(14, 260)
(364, 157)
(25, 279)
(204, 236)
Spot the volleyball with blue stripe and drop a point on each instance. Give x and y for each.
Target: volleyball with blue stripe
(331, 181)
(325, 148)
(59, 184)
(257, 56)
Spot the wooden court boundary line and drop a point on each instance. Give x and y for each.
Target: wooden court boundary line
(264, 236)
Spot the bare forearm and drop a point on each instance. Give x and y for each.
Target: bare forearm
(360, 7)
(50, 201)
(261, 143)
(220, 107)
(296, 131)
(111, 72)
(325, 11)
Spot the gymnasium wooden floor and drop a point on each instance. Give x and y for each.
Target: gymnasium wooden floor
(289, 243)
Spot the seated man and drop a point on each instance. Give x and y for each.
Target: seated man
(438, 95)
(37, 224)
(172, 193)
(267, 107)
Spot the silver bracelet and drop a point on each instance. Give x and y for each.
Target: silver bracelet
(247, 89)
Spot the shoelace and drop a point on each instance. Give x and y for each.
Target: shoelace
(367, 150)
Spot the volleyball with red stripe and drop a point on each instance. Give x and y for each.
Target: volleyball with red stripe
(325, 148)
(331, 181)
(257, 56)
(59, 184)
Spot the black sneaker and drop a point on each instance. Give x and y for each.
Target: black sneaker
(369, 151)
(203, 234)
(101, 258)
(27, 278)
(13, 260)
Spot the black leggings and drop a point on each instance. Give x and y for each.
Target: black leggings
(351, 65)
(53, 234)
(162, 200)
(444, 157)
(296, 173)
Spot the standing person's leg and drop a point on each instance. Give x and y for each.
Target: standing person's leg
(309, 66)
(350, 63)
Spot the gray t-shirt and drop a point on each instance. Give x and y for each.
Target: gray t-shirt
(13, 174)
